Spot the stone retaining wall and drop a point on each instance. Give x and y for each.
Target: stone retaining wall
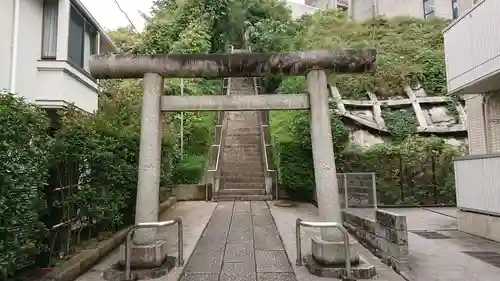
(386, 236)
(192, 192)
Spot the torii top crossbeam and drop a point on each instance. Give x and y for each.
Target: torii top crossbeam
(108, 66)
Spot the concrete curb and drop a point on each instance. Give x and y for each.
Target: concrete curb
(86, 259)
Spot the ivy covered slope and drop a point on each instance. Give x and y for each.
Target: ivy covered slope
(409, 169)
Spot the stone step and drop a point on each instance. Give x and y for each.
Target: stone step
(243, 197)
(241, 157)
(241, 146)
(243, 185)
(245, 174)
(243, 139)
(242, 171)
(241, 142)
(242, 151)
(225, 191)
(241, 92)
(235, 133)
(246, 130)
(241, 166)
(238, 155)
(244, 120)
(259, 179)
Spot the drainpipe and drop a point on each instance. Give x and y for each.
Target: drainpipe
(374, 9)
(350, 10)
(485, 98)
(15, 39)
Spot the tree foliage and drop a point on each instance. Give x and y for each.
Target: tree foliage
(24, 157)
(408, 50)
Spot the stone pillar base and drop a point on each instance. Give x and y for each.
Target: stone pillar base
(146, 256)
(332, 253)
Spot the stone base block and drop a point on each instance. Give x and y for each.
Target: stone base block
(116, 272)
(146, 256)
(363, 270)
(332, 253)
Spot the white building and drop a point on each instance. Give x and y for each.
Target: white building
(45, 52)
(365, 9)
(472, 49)
(301, 7)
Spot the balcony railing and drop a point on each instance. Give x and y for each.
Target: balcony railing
(477, 183)
(472, 48)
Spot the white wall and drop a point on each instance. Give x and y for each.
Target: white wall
(29, 45)
(6, 12)
(48, 83)
(363, 9)
(472, 49)
(299, 9)
(60, 84)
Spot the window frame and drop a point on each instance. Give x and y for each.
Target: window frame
(86, 25)
(428, 14)
(43, 50)
(454, 9)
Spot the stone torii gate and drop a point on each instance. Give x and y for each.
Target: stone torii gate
(147, 251)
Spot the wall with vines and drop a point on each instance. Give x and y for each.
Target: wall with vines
(410, 169)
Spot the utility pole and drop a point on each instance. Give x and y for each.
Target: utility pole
(182, 122)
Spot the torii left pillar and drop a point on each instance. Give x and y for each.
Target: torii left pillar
(148, 251)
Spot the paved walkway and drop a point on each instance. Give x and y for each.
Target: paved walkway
(445, 259)
(285, 218)
(240, 243)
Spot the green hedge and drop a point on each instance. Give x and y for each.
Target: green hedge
(104, 148)
(24, 152)
(415, 170)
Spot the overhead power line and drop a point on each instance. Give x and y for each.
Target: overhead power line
(126, 15)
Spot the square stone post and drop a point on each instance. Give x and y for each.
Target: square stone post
(329, 249)
(147, 251)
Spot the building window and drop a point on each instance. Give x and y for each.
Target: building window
(49, 29)
(454, 7)
(428, 8)
(82, 39)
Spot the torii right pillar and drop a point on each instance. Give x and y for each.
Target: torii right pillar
(329, 249)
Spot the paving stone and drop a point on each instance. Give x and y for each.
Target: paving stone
(240, 236)
(272, 261)
(240, 271)
(282, 276)
(227, 251)
(239, 252)
(204, 263)
(200, 277)
(242, 207)
(269, 244)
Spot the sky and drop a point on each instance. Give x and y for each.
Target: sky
(108, 15)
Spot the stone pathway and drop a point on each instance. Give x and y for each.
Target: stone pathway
(240, 243)
(444, 259)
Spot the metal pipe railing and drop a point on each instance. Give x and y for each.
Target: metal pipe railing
(221, 116)
(264, 154)
(347, 252)
(128, 241)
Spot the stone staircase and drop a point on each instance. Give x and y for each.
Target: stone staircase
(242, 167)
